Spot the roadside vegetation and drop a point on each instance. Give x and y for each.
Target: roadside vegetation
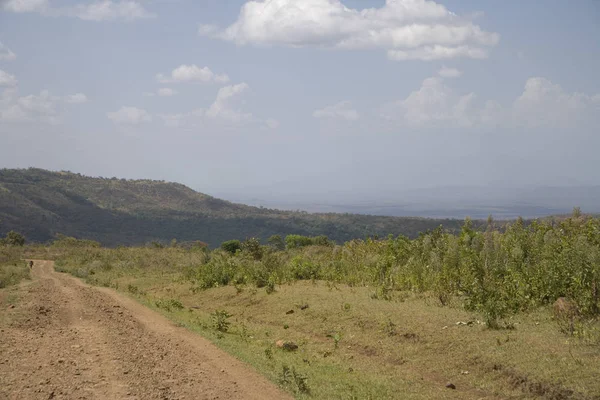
(373, 318)
(12, 268)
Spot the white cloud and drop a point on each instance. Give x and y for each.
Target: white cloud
(7, 79)
(223, 109)
(437, 52)
(99, 10)
(6, 54)
(77, 98)
(106, 10)
(43, 107)
(44, 103)
(407, 29)
(436, 104)
(342, 110)
(446, 72)
(192, 74)
(22, 6)
(129, 116)
(166, 92)
(544, 103)
(223, 104)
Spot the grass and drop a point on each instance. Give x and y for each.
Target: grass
(353, 345)
(12, 268)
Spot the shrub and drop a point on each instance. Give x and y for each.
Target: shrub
(13, 239)
(231, 246)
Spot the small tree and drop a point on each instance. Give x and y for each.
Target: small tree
(13, 239)
(231, 246)
(322, 241)
(296, 241)
(253, 247)
(276, 242)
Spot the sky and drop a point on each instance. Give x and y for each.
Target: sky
(313, 98)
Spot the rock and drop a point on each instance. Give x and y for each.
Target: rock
(304, 306)
(450, 385)
(286, 345)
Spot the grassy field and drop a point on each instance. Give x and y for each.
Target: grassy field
(356, 339)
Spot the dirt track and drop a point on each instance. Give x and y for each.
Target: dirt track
(72, 341)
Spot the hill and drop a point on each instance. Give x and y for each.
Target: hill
(40, 204)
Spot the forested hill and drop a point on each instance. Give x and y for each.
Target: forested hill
(40, 204)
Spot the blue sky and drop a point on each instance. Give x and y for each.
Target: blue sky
(304, 97)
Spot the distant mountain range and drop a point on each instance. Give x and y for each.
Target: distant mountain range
(40, 204)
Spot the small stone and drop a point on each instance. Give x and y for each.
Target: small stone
(286, 345)
(450, 385)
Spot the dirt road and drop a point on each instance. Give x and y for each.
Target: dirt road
(68, 340)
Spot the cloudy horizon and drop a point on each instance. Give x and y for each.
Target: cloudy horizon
(303, 96)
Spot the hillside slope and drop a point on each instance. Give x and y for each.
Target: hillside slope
(40, 204)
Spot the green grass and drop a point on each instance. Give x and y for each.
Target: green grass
(13, 274)
(13, 269)
(409, 347)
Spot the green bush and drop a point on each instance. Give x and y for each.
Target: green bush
(231, 246)
(13, 239)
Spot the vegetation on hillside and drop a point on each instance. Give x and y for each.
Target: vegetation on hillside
(41, 204)
(471, 308)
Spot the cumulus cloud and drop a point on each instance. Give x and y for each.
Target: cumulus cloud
(406, 29)
(77, 98)
(192, 74)
(99, 10)
(341, 110)
(166, 92)
(129, 116)
(223, 106)
(541, 104)
(6, 54)
(42, 107)
(434, 104)
(446, 72)
(544, 103)
(7, 79)
(223, 110)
